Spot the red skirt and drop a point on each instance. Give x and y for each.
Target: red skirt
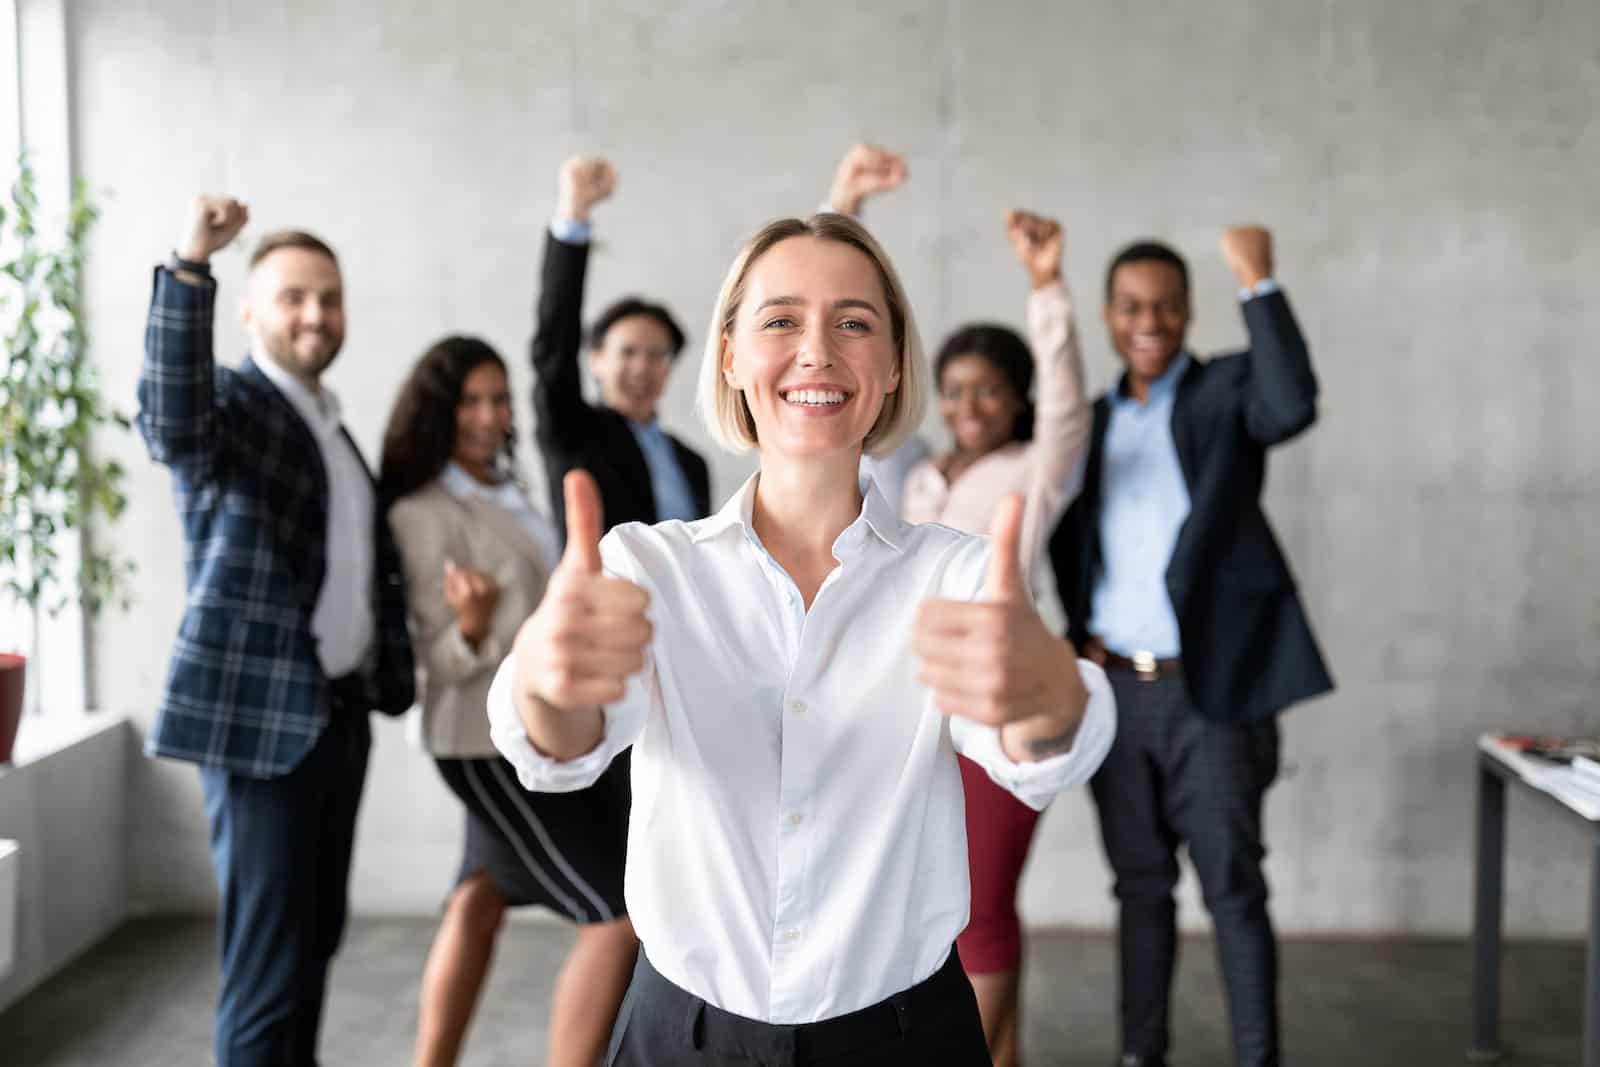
(999, 831)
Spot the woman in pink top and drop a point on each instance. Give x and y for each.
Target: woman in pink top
(1003, 445)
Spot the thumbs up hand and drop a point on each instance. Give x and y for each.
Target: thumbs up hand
(589, 635)
(994, 661)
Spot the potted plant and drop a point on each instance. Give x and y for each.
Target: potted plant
(50, 407)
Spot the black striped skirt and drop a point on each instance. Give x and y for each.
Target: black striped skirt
(564, 851)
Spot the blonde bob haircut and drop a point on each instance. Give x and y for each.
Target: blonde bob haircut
(724, 409)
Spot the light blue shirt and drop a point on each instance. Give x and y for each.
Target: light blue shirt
(571, 231)
(1143, 504)
(674, 498)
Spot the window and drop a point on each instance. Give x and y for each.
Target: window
(34, 116)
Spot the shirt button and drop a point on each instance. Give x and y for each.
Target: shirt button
(795, 818)
(791, 935)
(797, 706)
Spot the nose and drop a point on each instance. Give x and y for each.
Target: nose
(815, 350)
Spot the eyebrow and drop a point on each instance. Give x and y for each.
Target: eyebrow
(779, 301)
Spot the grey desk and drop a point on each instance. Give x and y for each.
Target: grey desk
(1495, 769)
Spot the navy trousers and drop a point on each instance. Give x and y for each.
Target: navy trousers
(1174, 778)
(281, 850)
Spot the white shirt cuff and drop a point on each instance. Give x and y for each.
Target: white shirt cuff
(536, 771)
(1036, 783)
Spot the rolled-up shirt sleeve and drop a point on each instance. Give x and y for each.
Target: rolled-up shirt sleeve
(1036, 783)
(624, 720)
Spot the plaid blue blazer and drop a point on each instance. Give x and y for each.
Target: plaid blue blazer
(245, 691)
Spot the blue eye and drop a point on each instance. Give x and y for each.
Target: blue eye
(779, 321)
(855, 324)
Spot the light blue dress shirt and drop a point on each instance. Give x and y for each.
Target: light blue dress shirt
(571, 231)
(674, 498)
(1143, 504)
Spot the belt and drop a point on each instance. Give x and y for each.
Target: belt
(1145, 665)
(928, 1003)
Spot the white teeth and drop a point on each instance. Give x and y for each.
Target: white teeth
(814, 397)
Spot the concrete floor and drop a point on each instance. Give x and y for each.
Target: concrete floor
(143, 999)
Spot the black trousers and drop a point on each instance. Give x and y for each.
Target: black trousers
(1174, 778)
(933, 1024)
(281, 850)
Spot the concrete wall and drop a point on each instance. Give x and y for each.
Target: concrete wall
(1428, 169)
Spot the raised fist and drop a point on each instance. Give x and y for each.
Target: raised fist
(1037, 242)
(584, 182)
(213, 222)
(865, 171)
(1248, 251)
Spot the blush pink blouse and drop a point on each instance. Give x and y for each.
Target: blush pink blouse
(1048, 470)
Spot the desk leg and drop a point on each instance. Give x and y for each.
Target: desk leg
(1486, 921)
(1591, 986)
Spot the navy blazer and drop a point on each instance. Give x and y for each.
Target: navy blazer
(1248, 651)
(245, 691)
(576, 434)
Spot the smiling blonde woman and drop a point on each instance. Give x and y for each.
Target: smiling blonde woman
(796, 675)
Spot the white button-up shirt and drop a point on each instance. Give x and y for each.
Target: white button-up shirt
(344, 622)
(798, 847)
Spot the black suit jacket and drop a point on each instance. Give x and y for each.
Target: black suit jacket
(1248, 651)
(576, 434)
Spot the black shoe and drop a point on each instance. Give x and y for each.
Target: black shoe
(1128, 1059)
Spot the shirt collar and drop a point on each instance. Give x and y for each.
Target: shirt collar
(461, 485)
(317, 409)
(651, 429)
(876, 517)
(1160, 388)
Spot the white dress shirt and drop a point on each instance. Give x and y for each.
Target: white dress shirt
(344, 622)
(889, 473)
(797, 848)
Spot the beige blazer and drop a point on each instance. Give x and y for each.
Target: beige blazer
(431, 526)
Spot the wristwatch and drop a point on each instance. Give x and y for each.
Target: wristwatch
(176, 263)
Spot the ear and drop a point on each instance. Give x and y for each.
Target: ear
(244, 310)
(727, 364)
(1105, 313)
(894, 375)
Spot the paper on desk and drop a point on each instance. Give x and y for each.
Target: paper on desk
(1561, 782)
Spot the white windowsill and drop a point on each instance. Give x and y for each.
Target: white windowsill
(41, 736)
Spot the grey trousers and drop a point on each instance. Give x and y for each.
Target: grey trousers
(1174, 778)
